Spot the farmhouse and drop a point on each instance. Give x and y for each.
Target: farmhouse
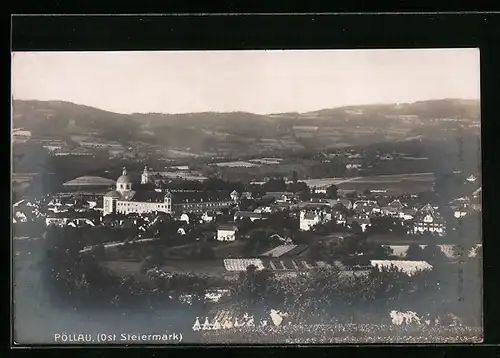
(428, 220)
(362, 220)
(308, 219)
(366, 206)
(226, 232)
(284, 197)
(395, 208)
(209, 216)
(71, 219)
(471, 179)
(247, 214)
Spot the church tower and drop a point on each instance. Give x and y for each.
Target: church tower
(168, 201)
(145, 176)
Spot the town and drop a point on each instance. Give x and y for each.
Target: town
(312, 223)
(151, 224)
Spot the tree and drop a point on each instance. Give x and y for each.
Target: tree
(356, 228)
(245, 224)
(255, 285)
(332, 192)
(348, 246)
(276, 185)
(305, 194)
(328, 227)
(296, 187)
(433, 253)
(414, 252)
(294, 176)
(382, 252)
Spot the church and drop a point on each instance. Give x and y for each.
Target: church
(125, 200)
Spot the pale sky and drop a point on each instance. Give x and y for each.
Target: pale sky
(250, 81)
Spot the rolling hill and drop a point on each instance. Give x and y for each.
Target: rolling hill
(208, 130)
(432, 109)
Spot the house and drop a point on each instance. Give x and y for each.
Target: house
(67, 221)
(319, 190)
(281, 207)
(477, 193)
(460, 210)
(366, 206)
(394, 208)
(314, 204)
(181, 231)
(78, 222)
(247, 214)
(263, 209)
(328, 202)
(471, 179)
(234, 195)
(407, 214)
(308, 219)
(353, 166)
(20, 217)
(280, 196)
(226, 232)
(362, 220)
(339, 216)
(208, 216)
(428, 220)
(246, 195)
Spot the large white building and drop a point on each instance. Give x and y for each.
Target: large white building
(428, 220)
(124, 200)
(226, 232)
(309, 219)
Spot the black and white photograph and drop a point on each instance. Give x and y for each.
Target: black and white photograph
(247, 197)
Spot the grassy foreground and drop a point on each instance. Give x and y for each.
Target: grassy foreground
(344, 334)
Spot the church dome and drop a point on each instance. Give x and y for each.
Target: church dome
(124, 178)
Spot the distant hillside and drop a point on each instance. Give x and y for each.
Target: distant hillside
(242, 131)
(235, 123)
(58, 118)
(442, 108)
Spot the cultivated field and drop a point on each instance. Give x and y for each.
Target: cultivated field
(393, 184)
